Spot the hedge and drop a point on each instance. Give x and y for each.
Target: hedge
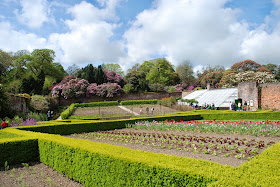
(18, 150)
(66, 113)
(139, 102)
(78, 126)
(97, 164)
(97, 104)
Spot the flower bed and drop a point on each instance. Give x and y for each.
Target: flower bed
(256, 128)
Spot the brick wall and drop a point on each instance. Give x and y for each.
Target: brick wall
(136, 96)
(270, 96)
(248, 91)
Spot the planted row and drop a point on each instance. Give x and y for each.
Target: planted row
(255, 128)
(238, 148)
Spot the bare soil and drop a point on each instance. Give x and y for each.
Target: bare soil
(34, 174)
(116, 110)
(232, 161)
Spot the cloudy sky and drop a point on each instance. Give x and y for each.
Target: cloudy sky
(215, 32)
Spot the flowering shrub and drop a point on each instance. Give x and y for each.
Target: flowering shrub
(178, 87)
(104, 90)
(74, 88)
(114, 77)
(232, 79)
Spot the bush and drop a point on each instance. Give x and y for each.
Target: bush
(97, 104)
(39, 103)
(168, 102)
(66, 113)
(139, 102)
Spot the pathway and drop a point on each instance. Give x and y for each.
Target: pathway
(128, 110)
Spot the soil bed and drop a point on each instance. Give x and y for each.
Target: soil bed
(219, 158)
(34, 174)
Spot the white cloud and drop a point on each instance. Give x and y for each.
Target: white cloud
(12, 40)
(201, 31)
(89, 37)
(33, 13)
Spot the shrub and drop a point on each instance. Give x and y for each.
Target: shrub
(139, 102)
(39, 103)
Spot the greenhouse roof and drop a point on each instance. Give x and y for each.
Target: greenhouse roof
(220, 97)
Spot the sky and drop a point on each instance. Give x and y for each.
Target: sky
(216, 32)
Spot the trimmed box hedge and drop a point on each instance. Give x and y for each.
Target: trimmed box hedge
(139, 102)
(18, 150)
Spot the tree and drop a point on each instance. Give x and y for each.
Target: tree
(100, 76)
(246, 65)
(163, 73)
(273, 68)
(5, 61)
(72, 69)
(89, 73)
(211, 75)
(5, 109)
(185, 72)
(114, 67)
(232, 79)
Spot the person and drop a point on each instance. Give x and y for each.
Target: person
(152, 110)
(213, 106)
(147, 110)
(245, 106)
(49, 115)
(141, 110)
(4, 124)
(233, 106)
(239, 106)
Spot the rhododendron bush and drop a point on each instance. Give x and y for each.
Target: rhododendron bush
(232, 79)
(104, 90)
(73, 88)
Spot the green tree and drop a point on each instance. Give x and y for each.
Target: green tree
(89, 73)
(185, 72)
(5, 109)
(5, 62)
(114, 67)
(100, 76)
(163, 73)
(72, 69)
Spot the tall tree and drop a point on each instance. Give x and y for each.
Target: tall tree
(246, 65)
(5, 61)
(162, 72)
(100, 76)
(185, 72)
(114, 67)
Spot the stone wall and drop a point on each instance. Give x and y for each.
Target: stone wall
(270, 96)
(249, 91)
(18, 103)
(136, 96)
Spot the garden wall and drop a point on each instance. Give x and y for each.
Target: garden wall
(135, 96)
(248, 91)
(18, 103)
(270, 96)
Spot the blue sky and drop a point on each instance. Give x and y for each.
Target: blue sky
(219, 32)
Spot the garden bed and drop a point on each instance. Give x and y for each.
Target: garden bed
(221, 151)
(34, 175)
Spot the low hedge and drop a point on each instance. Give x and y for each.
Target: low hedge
(97, 104)
(139, 102)
(78, 126)
(97, 164)
(66, 113)
(18, 150)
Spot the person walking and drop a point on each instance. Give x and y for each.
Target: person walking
(49, 115)
(141, 110)
(147, 110)
(245, 106)
(152, 110)
(239, 106)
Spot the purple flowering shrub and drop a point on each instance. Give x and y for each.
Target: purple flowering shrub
(104, 90)
(21, 122)
(113, 77)
(74, 88)
(178, 87)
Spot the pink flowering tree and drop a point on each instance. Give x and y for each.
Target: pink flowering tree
(70, 88)
(114, 77)
(104, 90)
